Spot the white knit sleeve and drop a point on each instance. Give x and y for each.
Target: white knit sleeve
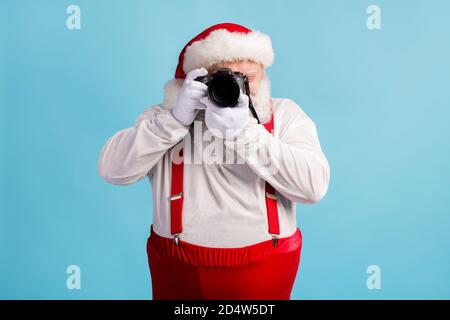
(293, 163)
(131, 153)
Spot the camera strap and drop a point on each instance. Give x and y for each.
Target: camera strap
(176, 199)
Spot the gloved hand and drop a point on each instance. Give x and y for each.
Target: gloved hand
(227, 123)
(187, 106)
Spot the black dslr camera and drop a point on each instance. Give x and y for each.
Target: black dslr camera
(224, 88)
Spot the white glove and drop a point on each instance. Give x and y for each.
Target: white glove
(227, 122)
(188, 105)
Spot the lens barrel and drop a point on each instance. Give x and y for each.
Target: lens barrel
(224, 91)
(224, 87)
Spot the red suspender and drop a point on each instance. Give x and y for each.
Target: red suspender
(176, 199)
(271, 199)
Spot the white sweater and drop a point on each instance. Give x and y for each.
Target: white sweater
(224, 204)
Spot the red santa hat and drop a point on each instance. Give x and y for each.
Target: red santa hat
(221, 42)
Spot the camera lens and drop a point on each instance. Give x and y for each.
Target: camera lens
(224, 91)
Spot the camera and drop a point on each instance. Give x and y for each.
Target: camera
(224, 87)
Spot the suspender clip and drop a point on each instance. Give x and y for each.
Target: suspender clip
(176, 239)
(271, 196)
(176, 196)
(274, 240)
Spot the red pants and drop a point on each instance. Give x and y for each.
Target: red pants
(188, 271)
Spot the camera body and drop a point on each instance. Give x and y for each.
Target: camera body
(224, 87)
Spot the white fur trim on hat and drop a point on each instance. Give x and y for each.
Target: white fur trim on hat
(223, 45)
(219, 46)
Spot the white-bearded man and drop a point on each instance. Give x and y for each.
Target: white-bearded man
(221, 229)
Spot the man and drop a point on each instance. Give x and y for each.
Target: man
(222, 229)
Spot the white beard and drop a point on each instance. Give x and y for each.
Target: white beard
(262, 100)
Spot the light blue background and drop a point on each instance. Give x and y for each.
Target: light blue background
(380, 100)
